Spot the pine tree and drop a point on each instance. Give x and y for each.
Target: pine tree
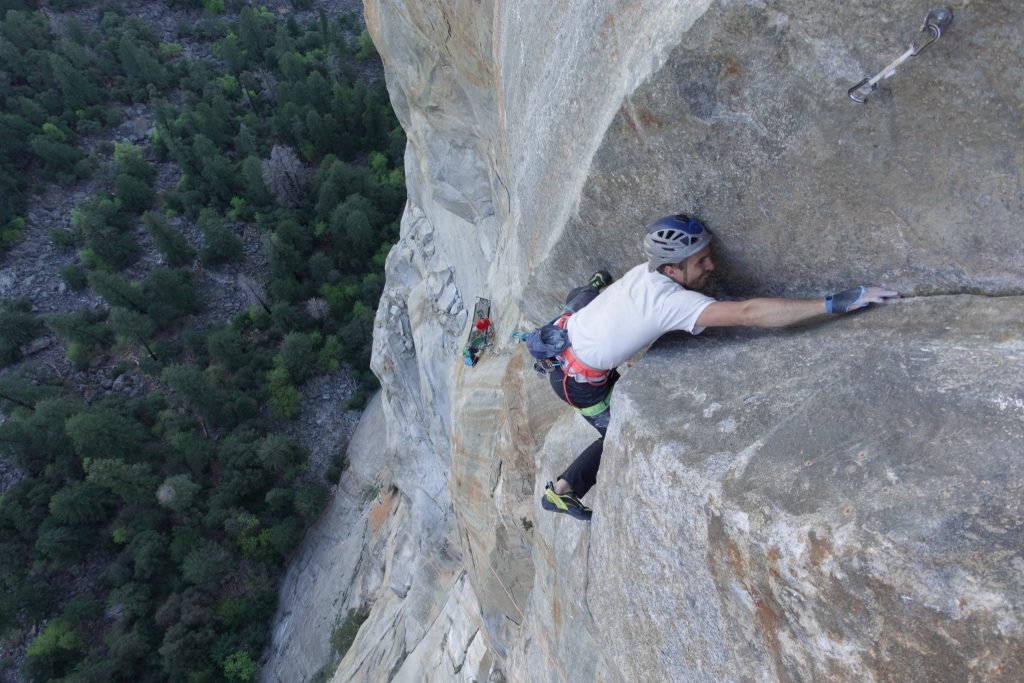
(86, 331)
(284, 398)
(171, 243)
(365, 49)
(83, 503)
(195, 391)
(39, 441)
(178, 493)
(135, 483)
(106, 231)
(64, 545)
(169, 295)
(54, 650)
(278, 454)
(117, 291)
(205, 564)
(132, 327)
(227, 347)
(105, 432)
(220, 244)
(77, 90)
(17, 327)
(20, 391)
(56, 154)
(148, 549)
(310, 500)
(299, 356)
(134, 178)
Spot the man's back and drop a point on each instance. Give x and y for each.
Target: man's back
(630, 314)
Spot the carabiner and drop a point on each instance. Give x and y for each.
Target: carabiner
(934, 23)
(852, 92)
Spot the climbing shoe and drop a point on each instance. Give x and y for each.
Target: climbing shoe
(600, 280)
(564, 502)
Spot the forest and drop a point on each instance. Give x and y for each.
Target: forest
(146, 536)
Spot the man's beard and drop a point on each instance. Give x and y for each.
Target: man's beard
(702, 283)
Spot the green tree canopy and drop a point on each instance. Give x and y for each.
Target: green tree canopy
(171, 243)
(105, 432)
(84, 503)
(87, 333)
(106, 230)
(17, 327)
(134, 178)
(168, 295)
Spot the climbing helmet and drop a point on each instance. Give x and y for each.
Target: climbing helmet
(671, 239)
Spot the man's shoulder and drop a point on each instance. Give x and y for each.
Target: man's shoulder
(623, 287)
(634, 273)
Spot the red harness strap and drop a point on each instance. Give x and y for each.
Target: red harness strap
(573, 367)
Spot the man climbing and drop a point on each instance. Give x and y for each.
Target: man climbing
(651, 299)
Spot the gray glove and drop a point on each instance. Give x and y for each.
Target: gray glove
(856, 297)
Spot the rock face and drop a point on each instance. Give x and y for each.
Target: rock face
(835, 502)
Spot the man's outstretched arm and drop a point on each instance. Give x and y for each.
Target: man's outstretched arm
(773, 312)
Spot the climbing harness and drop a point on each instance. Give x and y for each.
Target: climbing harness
(934, 24)
(573, 367)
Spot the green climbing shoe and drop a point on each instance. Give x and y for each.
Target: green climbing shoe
(600, 280)
(565, 502)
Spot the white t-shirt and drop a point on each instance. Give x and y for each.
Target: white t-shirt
(631, 313)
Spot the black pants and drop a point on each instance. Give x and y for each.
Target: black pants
(582, 473)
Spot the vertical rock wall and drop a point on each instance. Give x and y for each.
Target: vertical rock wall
(833, 503)
(839, 502)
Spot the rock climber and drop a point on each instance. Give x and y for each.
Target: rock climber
(659, 296)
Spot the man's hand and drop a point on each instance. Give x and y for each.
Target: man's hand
(857, 297)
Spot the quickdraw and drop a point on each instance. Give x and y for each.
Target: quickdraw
(934, 24)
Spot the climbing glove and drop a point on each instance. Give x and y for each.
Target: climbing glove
(856, 297)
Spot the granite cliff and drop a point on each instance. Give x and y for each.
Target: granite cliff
(840, 501)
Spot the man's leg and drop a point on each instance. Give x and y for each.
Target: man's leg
(581, 296)
(564, 495)
(581, 475)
